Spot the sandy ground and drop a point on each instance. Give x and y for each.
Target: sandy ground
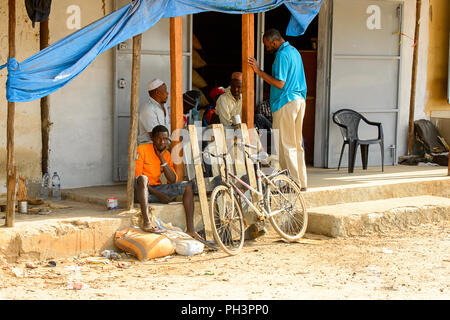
(414, 264)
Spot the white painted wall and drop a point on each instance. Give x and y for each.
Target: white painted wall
(81, 137)
(27, 115)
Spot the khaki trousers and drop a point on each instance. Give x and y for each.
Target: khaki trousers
(289, 121)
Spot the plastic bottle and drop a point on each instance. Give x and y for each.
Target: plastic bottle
(44, 186)
(56, 187)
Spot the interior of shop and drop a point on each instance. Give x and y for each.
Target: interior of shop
(217, 53)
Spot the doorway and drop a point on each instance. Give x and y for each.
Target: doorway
(306, 44)
(216, 51)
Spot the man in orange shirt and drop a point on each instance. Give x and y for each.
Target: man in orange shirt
(153, 159)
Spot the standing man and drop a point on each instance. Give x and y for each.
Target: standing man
(229, 104)
(153, 113)
(287, 101)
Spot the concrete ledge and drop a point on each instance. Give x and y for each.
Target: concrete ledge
(51, 239)
(80, 230)
(377, 217)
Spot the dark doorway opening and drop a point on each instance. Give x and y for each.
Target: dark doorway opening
(219, 35)
(307, 45)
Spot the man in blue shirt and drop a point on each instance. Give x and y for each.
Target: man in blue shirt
(287, 100)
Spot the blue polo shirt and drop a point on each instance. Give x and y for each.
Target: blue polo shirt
(287, 67)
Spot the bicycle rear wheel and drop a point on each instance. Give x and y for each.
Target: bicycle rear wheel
(292, 221)
(227, 221)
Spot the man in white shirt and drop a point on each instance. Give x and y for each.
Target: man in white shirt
(153, 112)
(229, 104)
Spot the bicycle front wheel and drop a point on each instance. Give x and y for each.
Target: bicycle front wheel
(227, 221)
(292, 219)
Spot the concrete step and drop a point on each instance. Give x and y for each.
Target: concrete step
(327, 196)
(81, 229)
(377, 217)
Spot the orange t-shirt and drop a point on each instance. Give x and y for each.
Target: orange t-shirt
(148, 163)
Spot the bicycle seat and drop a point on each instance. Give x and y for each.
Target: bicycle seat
(262, 156)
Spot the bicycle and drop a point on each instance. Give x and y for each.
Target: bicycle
(278, 199)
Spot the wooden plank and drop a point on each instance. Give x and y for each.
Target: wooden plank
(211, 147)
(249, 163)
(134, 105)
(221, 148)
(248, 76)
(197, 159)
(176, 87)
(11, 170)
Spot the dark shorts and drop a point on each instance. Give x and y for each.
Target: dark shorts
(172, 190)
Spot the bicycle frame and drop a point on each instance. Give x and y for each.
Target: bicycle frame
(259, 174)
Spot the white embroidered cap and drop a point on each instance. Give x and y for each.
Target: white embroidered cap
(155, 83)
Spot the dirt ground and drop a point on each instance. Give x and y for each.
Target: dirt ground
(413, 264)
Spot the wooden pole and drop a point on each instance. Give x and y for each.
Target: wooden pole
(45, 108)
(134, 105)
(413, 81)
(449, 165)
(176, 86)
(248, 77)
(10, 164)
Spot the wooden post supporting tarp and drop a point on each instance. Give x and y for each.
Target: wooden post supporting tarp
(176, 87)
(412, 101)
(134, 105)
(248, 77)
(45, 108)
(10, 161)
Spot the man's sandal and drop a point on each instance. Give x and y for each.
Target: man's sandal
(152, 229)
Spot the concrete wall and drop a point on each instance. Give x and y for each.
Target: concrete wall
(28, 115)
(81, 137)
(437, 74)
(81, 113)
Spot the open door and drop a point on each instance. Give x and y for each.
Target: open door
(155, 63)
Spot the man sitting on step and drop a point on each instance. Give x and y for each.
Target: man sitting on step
(152, 160)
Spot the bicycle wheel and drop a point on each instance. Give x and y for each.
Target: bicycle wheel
(292, 221)
(227, 221)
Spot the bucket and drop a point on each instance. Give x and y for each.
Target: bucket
(23, 207)
(111, 203)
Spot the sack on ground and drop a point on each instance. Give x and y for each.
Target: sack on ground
(143, 245)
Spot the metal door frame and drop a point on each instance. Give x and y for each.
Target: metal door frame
(324, 119)
(118, 50)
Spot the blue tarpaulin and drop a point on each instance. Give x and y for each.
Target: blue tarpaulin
(59, 63)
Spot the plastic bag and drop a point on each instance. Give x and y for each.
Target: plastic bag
(188, 247)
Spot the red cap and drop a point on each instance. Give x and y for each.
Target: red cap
(216, 91)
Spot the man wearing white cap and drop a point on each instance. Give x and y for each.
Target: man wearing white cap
(153, 112)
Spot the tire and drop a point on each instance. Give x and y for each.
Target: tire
(226, 220)
(292, 222)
